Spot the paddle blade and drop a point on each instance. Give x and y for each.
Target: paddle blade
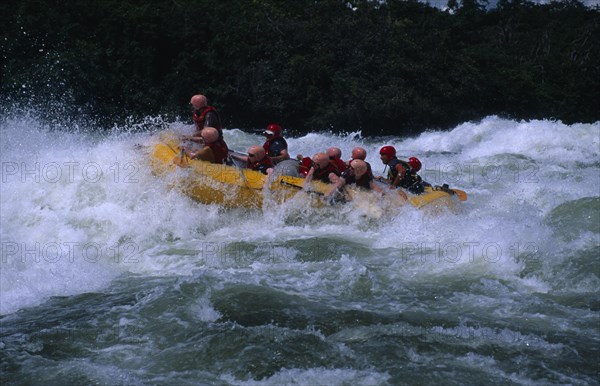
(180, 161)
(456, 192)
(461, 194)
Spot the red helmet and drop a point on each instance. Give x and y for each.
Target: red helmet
(414, 163)
(388, 150)
(273, 129)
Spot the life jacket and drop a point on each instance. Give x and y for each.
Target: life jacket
(199, 117)
(339, 164)
(220, 152)
(222, 143)
(323, 174)
(274, 146)
(261, 165)
(411, 180)
(363, 182)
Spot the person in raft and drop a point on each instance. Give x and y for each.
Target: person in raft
(275, 145)
(361, 154)
(257, 159)
(356, 174)
(321, 169)
(212, 151)
(204, 116)
(401, 173)
(335, 157)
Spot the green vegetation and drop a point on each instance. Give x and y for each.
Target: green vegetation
(386, 68)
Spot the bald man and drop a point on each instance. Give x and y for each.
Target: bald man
(203, 116)
(361, 154)
(335, 157)
(357, 174)
(212, 151)
(322, 169)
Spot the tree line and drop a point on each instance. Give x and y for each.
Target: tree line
(391, 67)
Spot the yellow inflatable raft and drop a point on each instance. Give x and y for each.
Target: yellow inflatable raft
(231, 186)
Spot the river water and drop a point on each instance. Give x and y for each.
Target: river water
(110, 277)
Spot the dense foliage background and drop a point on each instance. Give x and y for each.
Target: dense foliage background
(383, 67)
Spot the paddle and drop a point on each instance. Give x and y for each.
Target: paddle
(237, 152)
(182, 160)
(461, 194)
(286, 183)
(236, 161)
(239, 165)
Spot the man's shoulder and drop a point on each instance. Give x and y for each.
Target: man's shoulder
(280, 141)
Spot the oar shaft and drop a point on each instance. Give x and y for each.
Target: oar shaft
(282, 182)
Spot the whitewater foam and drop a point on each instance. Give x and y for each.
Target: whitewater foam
(81, 208)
